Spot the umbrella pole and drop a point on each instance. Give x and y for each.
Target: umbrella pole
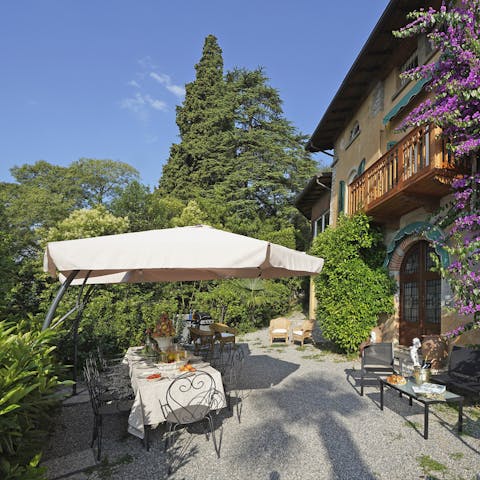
(58, 297)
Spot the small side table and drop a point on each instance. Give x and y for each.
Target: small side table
(426, 402)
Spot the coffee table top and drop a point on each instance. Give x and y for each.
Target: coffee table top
(407, 389)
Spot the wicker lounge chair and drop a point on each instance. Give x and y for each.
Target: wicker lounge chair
(223, 333)
(279, 329)
(304, 332)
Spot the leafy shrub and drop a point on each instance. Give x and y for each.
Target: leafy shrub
(353, 289)
(28, 383)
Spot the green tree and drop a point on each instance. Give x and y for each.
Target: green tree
(134, 203)
(85, 223)
(205, 120)
(353, 289)
(271, 165)
(101, 181)
(192, 214)
(42, 196)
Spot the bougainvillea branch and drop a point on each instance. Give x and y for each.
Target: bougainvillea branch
(454, 78)
(462, 242)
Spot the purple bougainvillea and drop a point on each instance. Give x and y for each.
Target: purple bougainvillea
(454, 106)
(454, 77)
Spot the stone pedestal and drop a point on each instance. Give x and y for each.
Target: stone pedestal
(163, 342)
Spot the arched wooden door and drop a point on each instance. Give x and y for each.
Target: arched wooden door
(420, 294)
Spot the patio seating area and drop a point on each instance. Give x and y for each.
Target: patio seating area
(301, 417)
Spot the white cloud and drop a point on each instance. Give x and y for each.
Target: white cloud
(177, 90)
(161, 78)
(133, 83)
(166, 81)
(135, 103)
(155, 103)
(140, 105)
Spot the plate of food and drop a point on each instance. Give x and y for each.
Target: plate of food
(396, 379)
(187, 368)
(153, 377)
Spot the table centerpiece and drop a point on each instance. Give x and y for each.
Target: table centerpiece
(164, 332)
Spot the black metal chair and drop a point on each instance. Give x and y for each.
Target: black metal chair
(232, 376)
(377, 360)
(101, 407)
(190, 398)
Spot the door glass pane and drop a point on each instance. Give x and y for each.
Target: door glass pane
(412, 262)
(432, 301)
(410, 302)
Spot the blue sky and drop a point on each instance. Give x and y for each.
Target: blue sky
(101, 79)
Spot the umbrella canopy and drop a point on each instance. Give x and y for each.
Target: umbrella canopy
(174, 254)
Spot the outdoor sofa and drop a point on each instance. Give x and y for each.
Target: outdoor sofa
(463, 372)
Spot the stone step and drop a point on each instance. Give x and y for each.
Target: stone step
(70, 466)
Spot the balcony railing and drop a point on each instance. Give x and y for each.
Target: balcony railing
(415, 171)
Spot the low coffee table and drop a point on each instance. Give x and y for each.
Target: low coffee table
(426, 402)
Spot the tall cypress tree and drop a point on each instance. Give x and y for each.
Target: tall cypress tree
(239, 158)
(205, 122)
(271, 165)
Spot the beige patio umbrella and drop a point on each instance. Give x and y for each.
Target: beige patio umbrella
(169, 255)
(174, 254)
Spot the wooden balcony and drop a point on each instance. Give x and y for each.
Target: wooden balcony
(416, 172)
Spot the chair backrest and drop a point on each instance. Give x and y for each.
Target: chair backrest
(221, 328)
(280, 323)
(307, 325)
(92, 387)
(102, 362)
(378, 354)
(190, 397)
(234, 368)
(464, 361)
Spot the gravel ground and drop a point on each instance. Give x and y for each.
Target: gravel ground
(301, 418)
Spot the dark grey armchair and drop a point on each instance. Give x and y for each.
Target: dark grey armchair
(377, 360)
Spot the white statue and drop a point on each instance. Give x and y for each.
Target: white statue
(414, 352)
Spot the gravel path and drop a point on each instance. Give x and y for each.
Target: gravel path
(301, 418)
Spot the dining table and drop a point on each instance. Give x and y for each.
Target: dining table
(150, 380)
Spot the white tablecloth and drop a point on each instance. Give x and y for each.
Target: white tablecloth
(149, 394)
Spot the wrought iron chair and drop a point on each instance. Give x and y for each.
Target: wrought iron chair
(189, 400)
(232, 378)
(101, 408)
(377, 360)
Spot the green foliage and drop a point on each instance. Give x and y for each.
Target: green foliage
(134, 204)
(28, 383)
(353, 289)
(100, 181)
(42, 196)
(86, 223)
(205, 120)
(239, 159)
(192, 214)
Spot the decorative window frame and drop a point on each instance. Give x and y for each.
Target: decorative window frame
(354, 133)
